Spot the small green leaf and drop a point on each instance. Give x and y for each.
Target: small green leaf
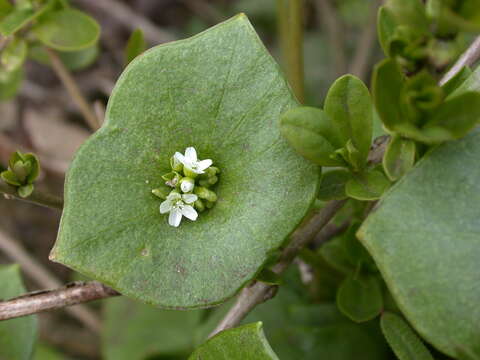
(67, 30)
(20, 17)
(10, 83)
(34, 171)
(386, 26)
(399, 157)
(402, 339)
(457, 115)
(135, 46)
(452, 17)
(17, 336)
(420, 97)
(10, 178)
(332, 185)
(14, 54)
(456, 81)
(14, 158)
(387, 85)
(360, 297)
(349, 106)
(150, 331)
(410, 13)
(25, 191)
(244, 342)
(311, 133)
(335, 255)
(367, 186)
(73, 60)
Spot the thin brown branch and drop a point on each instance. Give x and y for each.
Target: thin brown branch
(45, 279)
(360, 62)
(37, 197)
(259, 292)
(73, 89)
(71, 294)
(334, 30)
(329, 232)
(468, 58)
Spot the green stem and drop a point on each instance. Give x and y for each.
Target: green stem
(290, 21)
(37, 197)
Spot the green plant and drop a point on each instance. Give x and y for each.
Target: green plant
(387, 226)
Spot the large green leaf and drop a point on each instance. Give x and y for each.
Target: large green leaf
(244, 342)
(221, 92)
(17, 336)
(424, 239)
(150, 331)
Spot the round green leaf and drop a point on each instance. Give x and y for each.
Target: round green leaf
(399, 157)
(244, 342)
(360, 297)
(332, 185)
(404, 342)
(167, 99)
(67, 30)
(367, 186)
(17, 336)
(424, 239)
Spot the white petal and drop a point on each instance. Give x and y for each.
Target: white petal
(189, 212)
(186, 186)
(189, 198)
(165, 207)
(180, 157)
(191, 154)
(175, 217)
(204, 164)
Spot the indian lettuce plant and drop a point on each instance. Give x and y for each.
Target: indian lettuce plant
(208, 178)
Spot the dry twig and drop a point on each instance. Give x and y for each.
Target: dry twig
(45, 279)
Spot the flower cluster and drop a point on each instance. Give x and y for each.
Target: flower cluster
(188, 187)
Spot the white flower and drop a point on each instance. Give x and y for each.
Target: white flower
(187, 184)
(191, 163)
(179, 205)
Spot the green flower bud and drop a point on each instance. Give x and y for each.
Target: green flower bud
(187, 184)
(209, 204)
(25, 190)
(208, 181)
(199, 205)
(175, 164)
(162, 192)
(21, 170)
(204, 193)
